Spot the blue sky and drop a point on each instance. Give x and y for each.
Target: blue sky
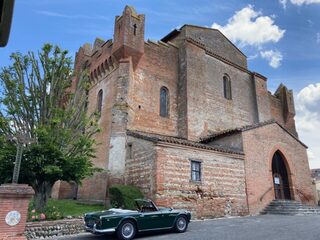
(281, 38)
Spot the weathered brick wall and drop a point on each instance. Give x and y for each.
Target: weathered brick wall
(64, 190)
(276, 109)
(157, 68)
(218, 43)
(221, 191)
(262, 98)
(207, 107)
(233, 141)
(260, 144)
(14, 197)
(140, 165)
(107, 85)
(93, 189)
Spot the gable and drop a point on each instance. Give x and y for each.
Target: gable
(212, 39)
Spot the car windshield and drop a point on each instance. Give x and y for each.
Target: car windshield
(146, 205)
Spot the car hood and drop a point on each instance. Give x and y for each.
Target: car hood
(110, 212)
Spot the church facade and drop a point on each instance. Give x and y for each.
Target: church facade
(186, 121)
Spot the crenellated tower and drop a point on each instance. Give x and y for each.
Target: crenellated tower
(128, 38)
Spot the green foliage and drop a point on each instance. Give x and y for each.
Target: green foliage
(123, 196)
(43, 105)
(58, 209)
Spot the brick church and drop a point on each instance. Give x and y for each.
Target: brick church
(186, 121)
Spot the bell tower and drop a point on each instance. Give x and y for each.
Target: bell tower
(128, 38)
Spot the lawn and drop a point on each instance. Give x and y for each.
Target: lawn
(74, 208)
(57, 209)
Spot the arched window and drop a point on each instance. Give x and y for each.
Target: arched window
(164, 102)
(227, 87)
(99, 102)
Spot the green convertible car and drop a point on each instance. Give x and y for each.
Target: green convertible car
(126, 223)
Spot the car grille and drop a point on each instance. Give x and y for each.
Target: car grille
(90, 223)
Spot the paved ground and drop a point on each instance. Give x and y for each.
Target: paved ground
(246, 228)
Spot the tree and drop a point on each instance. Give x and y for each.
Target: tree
(37, 102)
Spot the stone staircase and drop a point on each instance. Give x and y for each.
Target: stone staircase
(289, 207)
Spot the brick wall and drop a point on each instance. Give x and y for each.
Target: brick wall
(221, 191)
(207, 107)
(93, 189)
(140, 165)
(64, 190)
(157, 68)
(218, 43)
(262, 98)
(14, 197)
(259, 145)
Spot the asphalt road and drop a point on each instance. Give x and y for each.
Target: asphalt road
(273, 227)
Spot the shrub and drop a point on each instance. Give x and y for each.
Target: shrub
(123, 196)
(49, 213)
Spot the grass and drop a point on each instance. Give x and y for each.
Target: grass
(73, 208)
(58, 209)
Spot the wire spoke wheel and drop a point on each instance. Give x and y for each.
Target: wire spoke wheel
(181, 224)
(127, 230)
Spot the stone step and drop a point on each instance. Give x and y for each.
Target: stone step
(287, 207)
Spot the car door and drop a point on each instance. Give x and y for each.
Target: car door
(167, 218)
(149, 221)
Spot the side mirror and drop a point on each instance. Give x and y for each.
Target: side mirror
(6, 12)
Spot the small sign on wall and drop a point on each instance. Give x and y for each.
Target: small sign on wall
(13, 218)
(277, 180)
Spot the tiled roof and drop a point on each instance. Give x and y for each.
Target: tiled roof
(175, 140)
(228, 132)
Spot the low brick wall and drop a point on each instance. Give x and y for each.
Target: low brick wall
(51, 229)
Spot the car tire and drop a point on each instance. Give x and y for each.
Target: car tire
(126, 230)
(181, 224)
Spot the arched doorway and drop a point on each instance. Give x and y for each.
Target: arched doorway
(280, 174)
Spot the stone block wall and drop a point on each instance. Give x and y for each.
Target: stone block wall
(53, 229)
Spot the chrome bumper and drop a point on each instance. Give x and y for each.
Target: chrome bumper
(95, 230)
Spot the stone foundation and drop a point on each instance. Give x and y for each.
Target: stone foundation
(51, 229)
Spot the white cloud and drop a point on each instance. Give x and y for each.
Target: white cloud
(301, 2)
(274, 57)
(60, 15)
(297, 2)
(309, 99)
(283, 3)
(249, 27)
(318, 37)
(253, 57)
(308, 121)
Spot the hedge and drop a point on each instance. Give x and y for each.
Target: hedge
(123, 196)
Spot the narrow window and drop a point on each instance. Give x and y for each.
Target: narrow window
(196, 171)
(129, 151)
(100, 97)
(164, 102)
(227, 87)
(135, 29)
(110, 63)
